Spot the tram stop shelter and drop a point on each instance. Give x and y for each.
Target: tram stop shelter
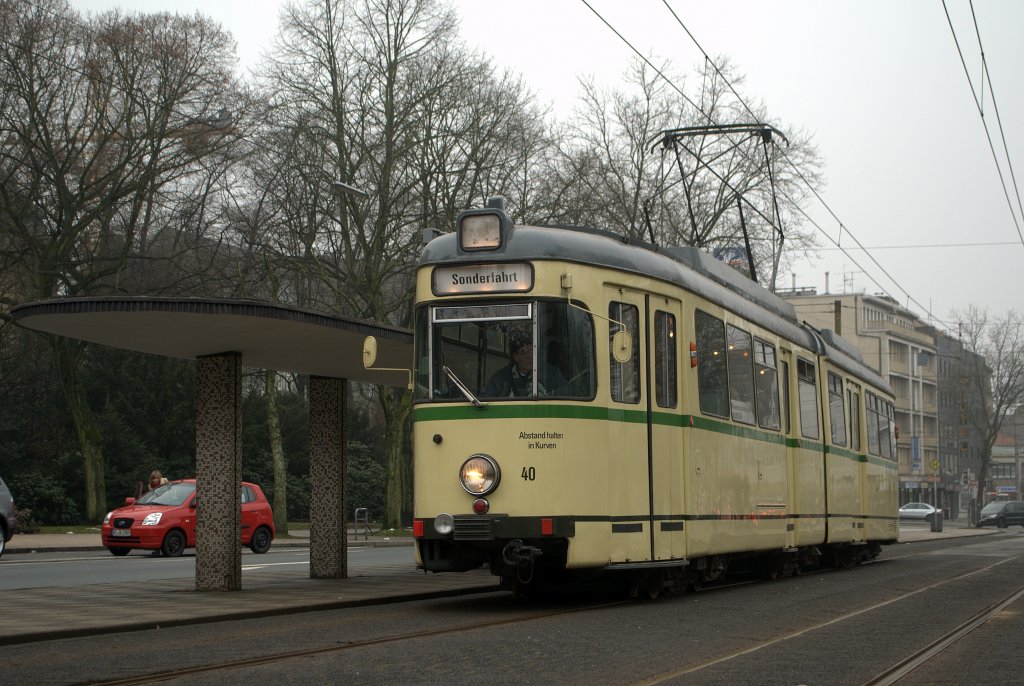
(223, 336)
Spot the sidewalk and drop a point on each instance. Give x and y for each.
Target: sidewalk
(957, 528)
(50, 543)
(55, 543)
(49, 613)
(38, 614)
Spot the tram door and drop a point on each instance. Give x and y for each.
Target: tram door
(664, 319)
(628, 435)
(645, 487)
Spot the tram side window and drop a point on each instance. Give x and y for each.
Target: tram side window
(665, 359)
(766, 382)
(567, 344)
(880, 427)
(625, 377)
(886, 439)
(421, 389)
(836, 411)
(807, 388)
(787, 424)
(853, 398)
(712, 379)
(872, 419)
(741, 376)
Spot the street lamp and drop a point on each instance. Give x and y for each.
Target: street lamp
(351, 190)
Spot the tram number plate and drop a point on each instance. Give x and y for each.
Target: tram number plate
(120, 533)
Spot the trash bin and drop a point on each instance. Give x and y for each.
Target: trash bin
(937, 521)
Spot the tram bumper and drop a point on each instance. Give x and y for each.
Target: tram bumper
(476, 540)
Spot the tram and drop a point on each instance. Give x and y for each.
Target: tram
(587, 405)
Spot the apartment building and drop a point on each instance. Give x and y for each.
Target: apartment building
(901, 347)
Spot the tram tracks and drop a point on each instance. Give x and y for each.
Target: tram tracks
(890, 675)
(893, 673)
(907, 665)
(222, 667)
(198, 670)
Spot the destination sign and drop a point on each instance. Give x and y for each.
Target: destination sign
(483, 278)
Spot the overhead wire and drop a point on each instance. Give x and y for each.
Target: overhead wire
(685, 97)
(648, 62)
(917, 246)
(799, 172)
(818, 196)
(802, 177)
(984, 123)
(792, 164)
(999, 120)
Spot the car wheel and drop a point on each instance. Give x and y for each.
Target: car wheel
(260, 542)
(174, 544)
(119, 551)
(3, 543)
(1001, 523)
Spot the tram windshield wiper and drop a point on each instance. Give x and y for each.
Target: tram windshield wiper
(462, 387)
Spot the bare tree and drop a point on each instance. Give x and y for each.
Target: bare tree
(377, 94)
(107, 127)
(992, 375)
(614, 175)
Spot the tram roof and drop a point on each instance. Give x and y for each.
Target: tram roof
(687, 267)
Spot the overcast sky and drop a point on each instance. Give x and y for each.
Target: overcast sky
(878, 84)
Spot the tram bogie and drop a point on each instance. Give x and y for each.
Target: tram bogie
(585, 406)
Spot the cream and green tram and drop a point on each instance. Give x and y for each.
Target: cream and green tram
(584, 403)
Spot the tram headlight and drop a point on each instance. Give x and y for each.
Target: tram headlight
(444, 523)
(479, 475)
(480, 231)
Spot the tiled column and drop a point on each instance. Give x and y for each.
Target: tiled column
(218, 472)
(328, 541)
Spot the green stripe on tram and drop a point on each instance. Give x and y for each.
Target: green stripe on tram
(606, 414)
(528, 411)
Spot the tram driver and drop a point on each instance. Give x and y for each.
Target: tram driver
(516, 378)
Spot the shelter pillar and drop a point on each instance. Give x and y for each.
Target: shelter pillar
(218, 472)
(328, 535)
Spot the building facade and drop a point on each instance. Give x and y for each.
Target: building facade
(961, 444)
(1005, 480)
(902, 348)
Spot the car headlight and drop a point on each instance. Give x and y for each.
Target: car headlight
(106, 520)
(479, 474)
(152, 519)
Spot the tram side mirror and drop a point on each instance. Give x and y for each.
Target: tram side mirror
(369, 352)
(370, 359)
(622, 346)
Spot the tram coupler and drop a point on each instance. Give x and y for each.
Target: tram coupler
(520, 559)
(516, 553)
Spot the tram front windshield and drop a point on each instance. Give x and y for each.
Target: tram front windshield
(506, 351)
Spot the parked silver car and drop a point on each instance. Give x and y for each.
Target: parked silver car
(922, 511)
(8, 522)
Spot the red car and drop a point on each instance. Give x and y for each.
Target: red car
(165, 520)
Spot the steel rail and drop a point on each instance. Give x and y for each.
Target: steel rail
(915, 660)
(382, 640)
(689, 669)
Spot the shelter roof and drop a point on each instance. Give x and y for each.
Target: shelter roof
(265, 335)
